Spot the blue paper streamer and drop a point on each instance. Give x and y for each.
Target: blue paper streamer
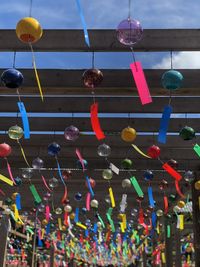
(164, 123)
(150, 195)
(24, 120)
(86, 36)
(59, 172)
(18, 201)
(153, 217)
(95, 228)
(48, 227)
(89, 186)
(76, 219)
(86, 233)
(40, 244)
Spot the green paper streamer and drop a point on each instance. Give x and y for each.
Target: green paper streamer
(110, 220)
(35, 194)
(102, 222)
(136, 186)
(197, 149)
(168, 231)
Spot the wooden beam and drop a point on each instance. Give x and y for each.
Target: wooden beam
(115, 82)
(105, 40)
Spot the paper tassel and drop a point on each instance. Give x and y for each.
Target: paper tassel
(24, 120)
(140, 152)
(112, 197)
(78, 153)
(6, 180)
(141, 83)
(45, 183)
(81, 225)
(95, 122)
(166, 205)
(35, 194)
(150, 195)
(86, 36)
(136, 186)
(181, 221)
(162, 136)
(177, 176)
(88, 197)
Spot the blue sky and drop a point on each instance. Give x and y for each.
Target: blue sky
(100, 14)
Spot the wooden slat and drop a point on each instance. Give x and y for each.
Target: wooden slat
(109, 125)
(105, 40)
(115, 82)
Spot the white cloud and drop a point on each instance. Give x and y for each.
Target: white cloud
(181, 60)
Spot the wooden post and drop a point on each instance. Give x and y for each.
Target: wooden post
(4, 230)
(196, 223)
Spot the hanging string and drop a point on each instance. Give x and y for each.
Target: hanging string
(14, 59)
(171, 63)
(129, 9)
(134, 59)
(93, 59)
(93, 66)
(30, 8)
(171, 59)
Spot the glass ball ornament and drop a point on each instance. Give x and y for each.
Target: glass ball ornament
(15, 132)
(197, 185)
(134, 213)
(129, 32)
(107, 199)
(78, 196)
(92, 183)
(12, 78)
(189, 176)
(94, 204)
(148, 175)
(163, 185)
(128, 134)
(68, 208)
(83, 210)
(187, 133)
(181, 204)
(79, 165)
(18, 181)
(71, 133)
(53, 182)
(107, 174)
(29, 30)
(172, 79)
(41, 208)
(53, 149)
(153, 152)
(67, 174)
(27, 173)
(126, 183)
(159, 213)
(44, 222)
(88, 222)
(37, 163)
(58, 211)
(92, 78)
(104, 150)
(126, 164)
(5, 150)
(173, 163)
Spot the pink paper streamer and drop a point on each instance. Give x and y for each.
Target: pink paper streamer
(47, 213)
(141, 83)
(45, 183)
(88, 197)
(78, 153)
(10, 173)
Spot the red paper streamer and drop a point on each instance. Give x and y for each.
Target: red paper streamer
(141, 216)
(10, 172)
(66, 219)
(88, 197)
(64, 198)
(166, 204)
(78, 153)
(141, 83)
(95, 121)
(177, 176)
(47, 212)
(178, 190)
(45, 183)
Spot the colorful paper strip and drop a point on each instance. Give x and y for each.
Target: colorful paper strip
(164, 123)
(25, 121)
(112, 199)
(177, 176)
(136, 186)
(95, 121)
(6, 180)
(35, 194)
(140, 151)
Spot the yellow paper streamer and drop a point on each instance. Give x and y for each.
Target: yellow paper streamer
(36, 73)
(60, 223)
(81, 225)
(122, 227)
(111, 197)
(163, 257)
(42, 233)
(140, 152)
(23, 154)
(181, 218)
(16, 212)
(124, 221)
(6, 180)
